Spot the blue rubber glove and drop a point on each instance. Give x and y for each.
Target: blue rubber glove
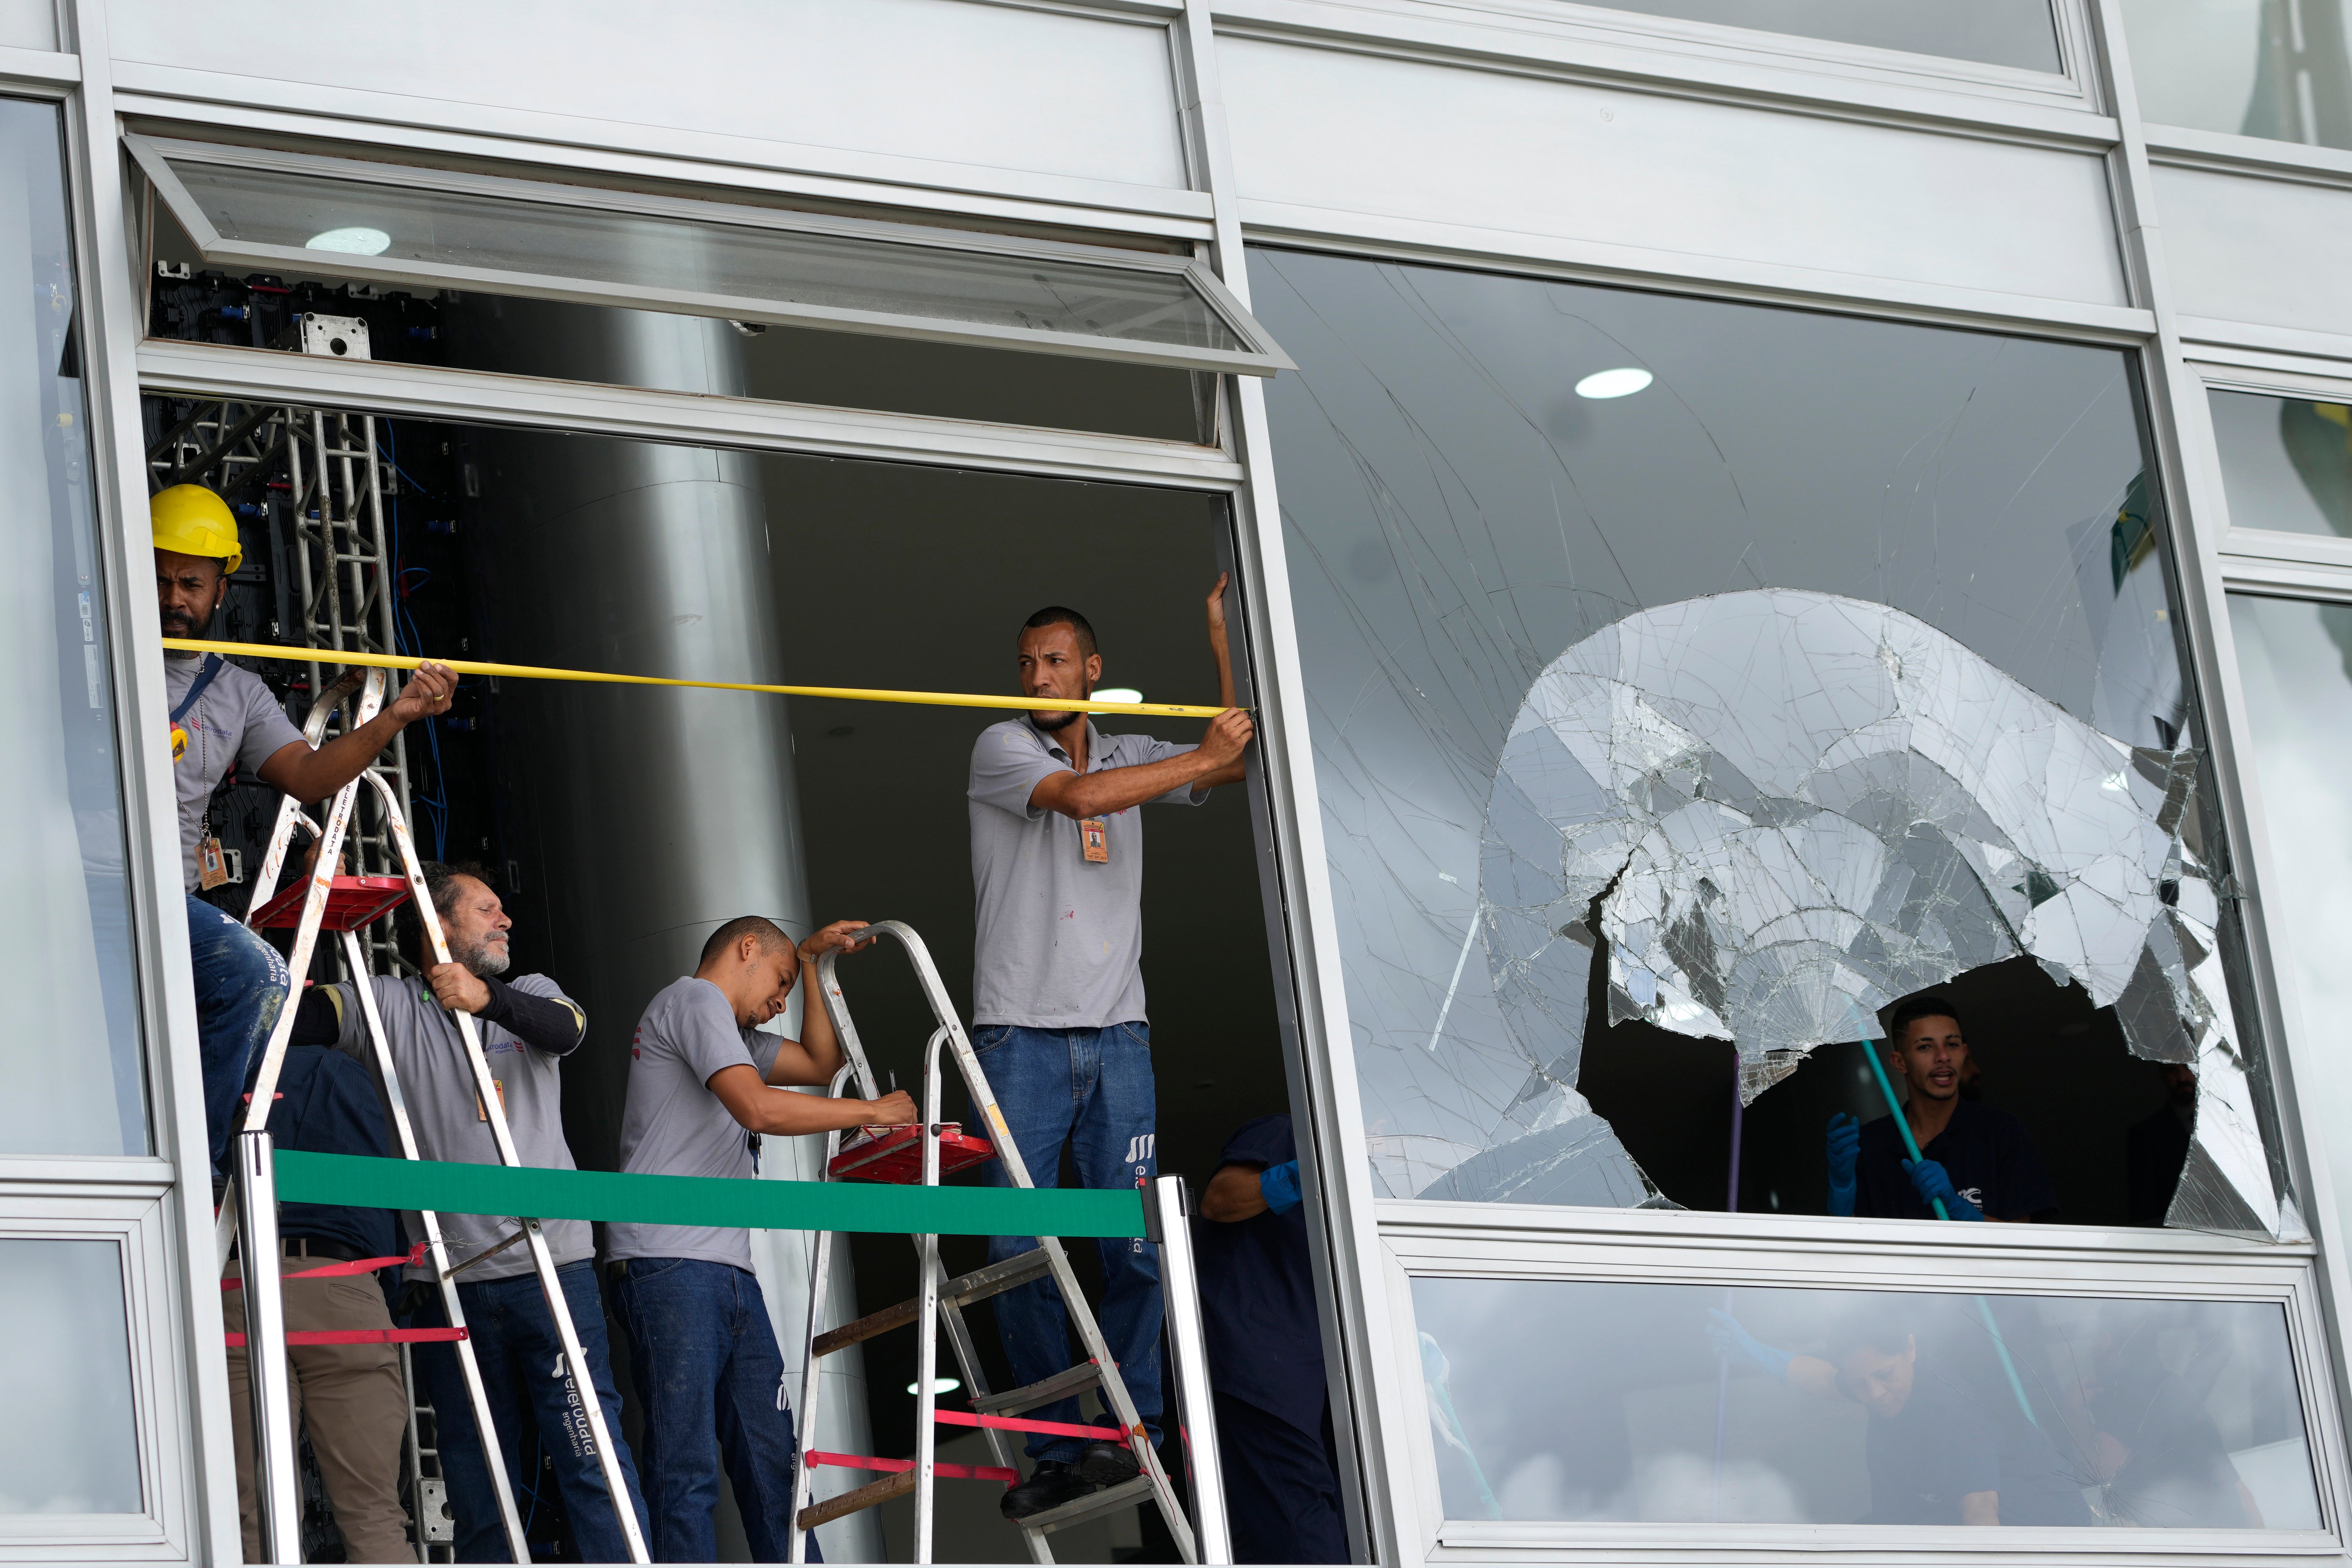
(1845, 1149)
(1931, 1181)
(1278, 1184)
(1730, 1337)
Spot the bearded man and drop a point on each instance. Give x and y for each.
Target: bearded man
(526, 1025)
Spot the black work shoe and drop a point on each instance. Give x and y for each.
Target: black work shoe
(1051, 1485)
(1108, 1464)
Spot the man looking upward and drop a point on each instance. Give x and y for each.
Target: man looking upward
(1057, 998)
(223, 717)
(1977, 1160)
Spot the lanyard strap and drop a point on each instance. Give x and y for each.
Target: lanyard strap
(213, 664)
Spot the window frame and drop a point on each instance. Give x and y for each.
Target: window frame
(1422, 1239)
(155, 155)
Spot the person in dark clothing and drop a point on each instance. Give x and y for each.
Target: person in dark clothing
(2156, 1149)
(1945, 1443)
(1264, 1337)
(349, 1397)
(1977, 1160)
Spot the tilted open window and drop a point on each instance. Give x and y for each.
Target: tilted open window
(436, 228)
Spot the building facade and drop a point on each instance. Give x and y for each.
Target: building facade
(1740, 514)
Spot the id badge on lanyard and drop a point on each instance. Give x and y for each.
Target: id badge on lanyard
(1094, 840)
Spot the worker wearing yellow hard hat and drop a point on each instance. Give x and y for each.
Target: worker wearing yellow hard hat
(224, 717)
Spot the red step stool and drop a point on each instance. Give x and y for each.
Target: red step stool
(354, 903)
(895, 1154)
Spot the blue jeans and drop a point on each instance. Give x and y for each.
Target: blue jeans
(1092, 1089)
(711, 1379)
(523, 1374)
(240, 983)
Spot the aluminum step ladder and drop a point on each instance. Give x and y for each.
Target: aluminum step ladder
(940, 1303)
(347, 905)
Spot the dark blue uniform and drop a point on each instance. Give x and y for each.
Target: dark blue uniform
(1950, 1439)
(1266, 1366)
(327, 1105)
(1991, 1162)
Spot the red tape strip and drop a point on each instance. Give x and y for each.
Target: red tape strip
(952, 1472)
(363, 1266)
(363, 1336)
(1015, 1424)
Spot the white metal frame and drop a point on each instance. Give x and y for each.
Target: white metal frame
(156, 158)
(1510, 1242)
(2090, 107)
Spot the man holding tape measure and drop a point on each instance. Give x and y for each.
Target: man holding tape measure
(223, 717)
(1057, 998)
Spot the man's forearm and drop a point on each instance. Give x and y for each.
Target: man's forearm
(314, 775)
(1115, 789)
(787, 1114)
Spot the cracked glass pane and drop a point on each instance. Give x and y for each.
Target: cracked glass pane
(1762, 1406)
(1692, 683)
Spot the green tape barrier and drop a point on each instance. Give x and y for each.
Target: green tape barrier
(367, 1182)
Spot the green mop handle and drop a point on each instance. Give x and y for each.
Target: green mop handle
(1984, 1308)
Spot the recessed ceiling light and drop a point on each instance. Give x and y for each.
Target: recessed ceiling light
(350, 241)
(1622, 382)
(1116, 694)
(938, 1386)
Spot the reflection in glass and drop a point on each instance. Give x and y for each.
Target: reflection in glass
(69, 1444)
(69, 1070)
(1585, 1401)
(1702, 724)
(2294, 663)
(2286, 464)
(547, 240)
(2274, 68)
(1999, 32)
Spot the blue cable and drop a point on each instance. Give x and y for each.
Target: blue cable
(435, 807)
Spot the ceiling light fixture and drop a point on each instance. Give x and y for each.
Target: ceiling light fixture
(938, 1386)
(350, 241)
(1622, 382)
(1116, 694)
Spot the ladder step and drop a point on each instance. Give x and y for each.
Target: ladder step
(961, 1291)
(865, 1496)
(1045, 1391)
(1077, 1510)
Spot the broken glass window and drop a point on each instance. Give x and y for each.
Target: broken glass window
(1692, 671)
(1761, 1405)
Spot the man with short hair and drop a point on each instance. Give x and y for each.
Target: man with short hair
(527, 1026)
(705, 1084)
(1977, 1160)
(223, 717)
(1057, 999)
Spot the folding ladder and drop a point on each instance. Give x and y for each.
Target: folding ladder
(941, 1304)
(346, 905)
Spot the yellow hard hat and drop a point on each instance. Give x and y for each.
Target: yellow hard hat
(192, 520)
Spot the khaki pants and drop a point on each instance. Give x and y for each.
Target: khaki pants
(351, 1398)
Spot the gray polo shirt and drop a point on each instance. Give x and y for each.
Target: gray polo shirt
(674, 1126)
(430, 1054)
(1060, 944)
(236, 722)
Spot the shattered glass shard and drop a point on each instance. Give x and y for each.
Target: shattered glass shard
(1793, 808)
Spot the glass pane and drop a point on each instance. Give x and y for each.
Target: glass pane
(1998, 32)
(342, 217)
(70, 1444)
(2273, 69)
(1776, 1406)
(1694, 682)
(2285, 463)
(471, 329)
(2294, 660)
(69, 1069)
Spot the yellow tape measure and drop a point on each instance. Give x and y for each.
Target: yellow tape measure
(538, 672)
